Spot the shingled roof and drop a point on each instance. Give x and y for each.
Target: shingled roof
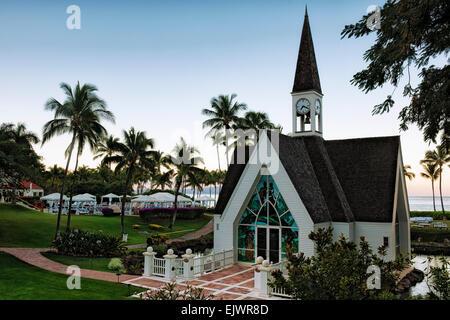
(339, 180)
(306, 73)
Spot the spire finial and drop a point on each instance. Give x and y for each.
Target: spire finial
(306, 10)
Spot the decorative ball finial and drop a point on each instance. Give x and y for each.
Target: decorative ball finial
(170, 251)
(149, 249)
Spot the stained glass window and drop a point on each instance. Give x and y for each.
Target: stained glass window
(266, 208)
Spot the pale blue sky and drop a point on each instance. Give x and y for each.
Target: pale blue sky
(158, 63)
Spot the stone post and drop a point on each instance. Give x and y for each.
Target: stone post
(170, 272)
(262, 276)
(149, 262)
(188, 264)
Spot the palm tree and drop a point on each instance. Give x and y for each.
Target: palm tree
(439, 157)
(223, 115)
(131, 155)
(430, 172)
(409, 174)
(55, 173)
(163, 180)
(184, 162)
(218, 138)
(105, 148)
(19, 134)
(256, 121)
(79, 115)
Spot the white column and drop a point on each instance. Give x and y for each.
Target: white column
(149, 262)
(262, 276)
(170, 272)
(188, 264)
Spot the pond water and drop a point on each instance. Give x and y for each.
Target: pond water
(421, 262)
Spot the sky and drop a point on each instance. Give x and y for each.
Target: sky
(158, 63)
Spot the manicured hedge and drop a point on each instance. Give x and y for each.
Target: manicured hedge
(88, 244)
(431, 248)
(196, 245)
(429, 234)
(147, 214)
(108, 212)
(435, 215)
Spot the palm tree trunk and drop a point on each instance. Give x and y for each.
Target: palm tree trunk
(226, 148)
(124, 199)
(440, 192)
(434, 201)
(218, 156)
(174, 214)
(71, 189)
(58, 221)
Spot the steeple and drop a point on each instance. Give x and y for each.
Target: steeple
(306, 74)
(306, 94)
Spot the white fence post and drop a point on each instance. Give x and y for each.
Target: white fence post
(170, 268)
(188, 264)
(149, 261)
(262, 276)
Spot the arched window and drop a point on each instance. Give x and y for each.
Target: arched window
(266, 208)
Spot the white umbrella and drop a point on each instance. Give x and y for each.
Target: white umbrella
(53, 197)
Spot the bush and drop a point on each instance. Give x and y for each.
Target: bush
(160, 249)
(133, 262)
(429, 234)
(156, 239)
(434, 249)
(196, 245)
(116, 265)
(108, 212)
(88, 244)
(433, 214)
(147, 214)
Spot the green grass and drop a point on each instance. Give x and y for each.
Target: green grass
(99, 264)
(21, 281)
(21, 227)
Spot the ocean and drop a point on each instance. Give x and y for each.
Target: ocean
(416, 203)
(425, 203)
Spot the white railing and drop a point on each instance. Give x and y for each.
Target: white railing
(186, 267)
(213, 261)
(159, 267)
(277, 291)
(280, 266)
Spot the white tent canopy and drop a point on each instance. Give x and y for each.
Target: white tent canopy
(54, 197)
(204, 198)
(110, 196)
(83, 197)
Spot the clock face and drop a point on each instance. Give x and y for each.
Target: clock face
(318, 106)
(303, 106)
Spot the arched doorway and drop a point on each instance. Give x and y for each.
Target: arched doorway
(266, 227)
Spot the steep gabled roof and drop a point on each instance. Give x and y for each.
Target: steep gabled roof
(339, 180)
(367, 169)
(306, 73)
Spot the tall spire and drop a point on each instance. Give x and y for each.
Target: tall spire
(306, 74)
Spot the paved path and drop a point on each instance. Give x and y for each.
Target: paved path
(207, 228)
(34, 257)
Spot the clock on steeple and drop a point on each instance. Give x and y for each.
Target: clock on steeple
(306, 92)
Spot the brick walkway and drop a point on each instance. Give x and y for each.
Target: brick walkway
(232, 283)
(34, 257)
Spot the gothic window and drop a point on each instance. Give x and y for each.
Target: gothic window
(266, 208)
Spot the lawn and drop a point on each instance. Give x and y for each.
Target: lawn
(25, 282)
(99, 264)
(21, 227)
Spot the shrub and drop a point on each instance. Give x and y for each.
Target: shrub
(160, 249)
(196, 245)
(156, 239)
(108, 212)
(116, 265)
(88, 244)
(171, 292)
(147, 214)
(133, 262)
(429, 234)
(436, 215)
(155, 227)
